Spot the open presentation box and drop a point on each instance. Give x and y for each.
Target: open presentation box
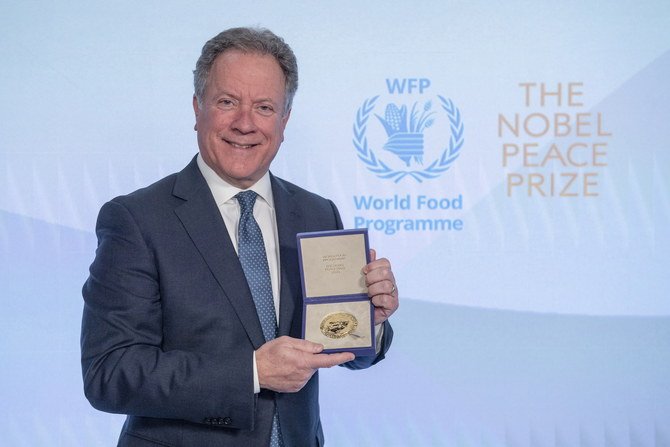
(337, 311)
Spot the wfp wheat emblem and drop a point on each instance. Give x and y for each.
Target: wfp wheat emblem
(405, 149)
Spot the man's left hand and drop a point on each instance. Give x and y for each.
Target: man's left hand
(382, 288)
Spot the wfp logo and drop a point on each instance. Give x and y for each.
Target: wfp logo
(406, 141)
(413, 141)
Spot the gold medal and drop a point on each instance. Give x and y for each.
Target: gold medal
(338, 325)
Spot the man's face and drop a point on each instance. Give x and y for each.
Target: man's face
(242, 117)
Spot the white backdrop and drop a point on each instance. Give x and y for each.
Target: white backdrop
(541, 318)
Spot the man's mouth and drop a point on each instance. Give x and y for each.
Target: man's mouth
(239, 145)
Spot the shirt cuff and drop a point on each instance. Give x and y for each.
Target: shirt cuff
(257, 384)
(379, 333)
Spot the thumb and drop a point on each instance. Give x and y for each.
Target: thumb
(306, 346)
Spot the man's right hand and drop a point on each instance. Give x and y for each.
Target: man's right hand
(285, 364)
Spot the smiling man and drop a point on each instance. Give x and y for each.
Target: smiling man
(193, 306)
(241, 115)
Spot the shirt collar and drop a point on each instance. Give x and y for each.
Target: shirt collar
(224, 191)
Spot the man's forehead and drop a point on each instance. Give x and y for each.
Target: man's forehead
(226, 63)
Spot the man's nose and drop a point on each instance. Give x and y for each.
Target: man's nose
(244, 120)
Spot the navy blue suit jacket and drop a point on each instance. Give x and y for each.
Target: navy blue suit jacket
(169, 325)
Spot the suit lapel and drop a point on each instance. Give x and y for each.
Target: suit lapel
(203, 223)
(289, 222)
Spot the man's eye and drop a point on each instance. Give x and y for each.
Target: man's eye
(225, 102)
(266, 110)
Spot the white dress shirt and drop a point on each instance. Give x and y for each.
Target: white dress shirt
(264, 213)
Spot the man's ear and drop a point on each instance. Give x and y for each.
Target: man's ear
(196, 111)
(284, 120)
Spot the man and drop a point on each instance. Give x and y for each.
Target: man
(175, 333)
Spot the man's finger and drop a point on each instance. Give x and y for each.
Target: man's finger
(301, 345)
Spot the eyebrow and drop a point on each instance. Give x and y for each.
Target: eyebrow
(255, 101)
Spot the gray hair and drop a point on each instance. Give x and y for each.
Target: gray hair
(247, 40)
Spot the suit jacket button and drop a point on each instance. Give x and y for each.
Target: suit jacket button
(227, 421)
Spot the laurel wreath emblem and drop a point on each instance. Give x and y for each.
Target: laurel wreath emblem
(434, 169)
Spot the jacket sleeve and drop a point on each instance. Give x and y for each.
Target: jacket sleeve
(125, 369)
(363, 362)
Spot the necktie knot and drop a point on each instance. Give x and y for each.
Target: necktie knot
(246, 199)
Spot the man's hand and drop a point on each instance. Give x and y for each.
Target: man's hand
(382, 288)
(285, 364)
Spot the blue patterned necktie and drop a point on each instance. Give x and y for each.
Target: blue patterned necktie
(251, 251)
